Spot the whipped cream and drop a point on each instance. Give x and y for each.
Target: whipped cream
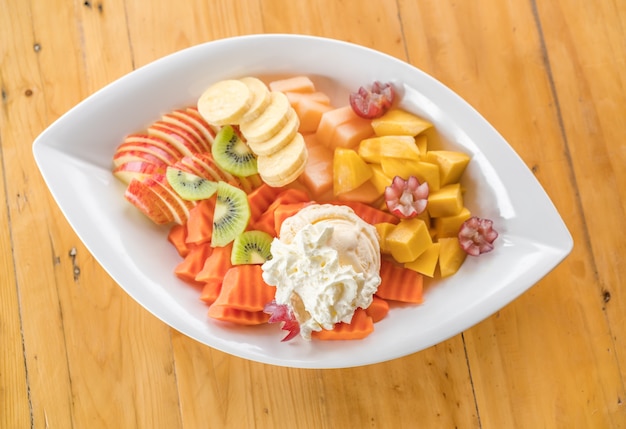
(325, 264)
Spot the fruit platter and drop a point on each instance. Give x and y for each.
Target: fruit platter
(300, 212)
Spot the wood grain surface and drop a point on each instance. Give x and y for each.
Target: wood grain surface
(550, 76)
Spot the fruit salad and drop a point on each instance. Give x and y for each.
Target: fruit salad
(286, 208)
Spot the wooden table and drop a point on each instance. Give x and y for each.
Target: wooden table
(550, 76)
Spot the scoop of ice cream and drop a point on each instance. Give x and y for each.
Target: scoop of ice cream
(325, 264)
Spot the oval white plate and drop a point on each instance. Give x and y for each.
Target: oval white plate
(74, 156)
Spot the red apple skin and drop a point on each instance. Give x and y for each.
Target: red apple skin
(125, 156)
(139, 170)
(180, 129)
(176, 136)
(187, 123)
(209, 128)
(210, 166)
(153, 141)
(180, 207)
(143, 151)
(148, 202)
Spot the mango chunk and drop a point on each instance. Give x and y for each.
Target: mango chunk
(451, 256)
(451, 164)
(379, 179)
(426, 262)
(366, 193)
(448, 226)
(373, 148)
(447, 201)
(424, 171)
(398, 122)
(421, 141)
(349, 170)
(383, 229)
(408, 240)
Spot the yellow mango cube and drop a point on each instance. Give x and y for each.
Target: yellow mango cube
(383, 229)
(421, 141)
(451, 164)
(447, 201)
(366, 193)
(448, 226)
(398, 122)
(379, 179)
(451, 256)
(424, 171)
(409, 239)
(373, 148)
(426, 262)
(349, 170)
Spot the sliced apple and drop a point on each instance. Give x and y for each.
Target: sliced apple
(179, 206)
(185, 123)
(148, 202)
(206, 161)
(123, 156)
(139, 170)
(153, 141)
(174, 137)
(205, 132)
(211, 129)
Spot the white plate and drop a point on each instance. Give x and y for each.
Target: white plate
(74, 155)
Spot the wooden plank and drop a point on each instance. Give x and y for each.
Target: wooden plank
(161, 28)
(14, 400)
(81, 353)
(375, 27)
(23, 114)
(523, 358)
(587, 67)
(14, 396)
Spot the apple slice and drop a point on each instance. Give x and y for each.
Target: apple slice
(139, 170)
(179, 207)
(211, 129)
(153, 141)
(207, 161)
(187, 123)
(191, 165)
(203, 165)
(137, 152)
(193, 141)
(174, 136)
(194, 119)
(148, 202)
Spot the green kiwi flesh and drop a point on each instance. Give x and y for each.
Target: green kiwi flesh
(232, 154)
(231, 215)
(251, 247)
(189, 186)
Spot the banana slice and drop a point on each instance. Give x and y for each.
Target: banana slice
(261, 98)
(284, 166)
(271, 120)
(225, 102)
(278, 140)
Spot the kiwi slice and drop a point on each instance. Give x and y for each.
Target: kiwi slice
(189, 186)
(232, 154)
(231, 215)
(251, 247)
